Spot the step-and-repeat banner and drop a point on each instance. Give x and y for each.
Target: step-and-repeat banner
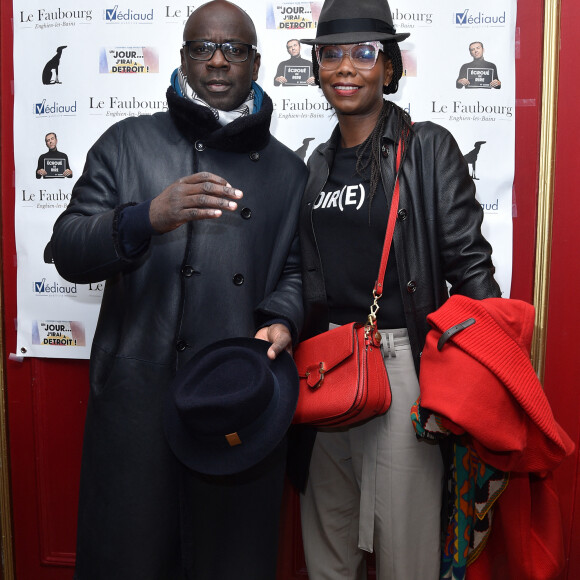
(79, 69)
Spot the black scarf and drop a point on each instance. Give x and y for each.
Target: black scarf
(195, 122)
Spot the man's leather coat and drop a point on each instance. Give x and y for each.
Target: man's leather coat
(203, 282)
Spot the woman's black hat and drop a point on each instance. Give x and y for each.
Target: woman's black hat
(352, 21)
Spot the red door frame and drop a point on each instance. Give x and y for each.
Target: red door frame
(561, 377)
(47, 398)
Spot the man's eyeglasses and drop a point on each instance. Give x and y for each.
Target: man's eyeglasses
(232, 51)
(363, 56)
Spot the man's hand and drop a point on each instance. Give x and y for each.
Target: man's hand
(196, 197)
(279, 336)
(495, 83)
(463, 82)
(282, 80)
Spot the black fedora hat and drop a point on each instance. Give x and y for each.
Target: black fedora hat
(349, 22)
(230, 406)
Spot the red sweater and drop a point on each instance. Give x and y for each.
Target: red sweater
(480, 381)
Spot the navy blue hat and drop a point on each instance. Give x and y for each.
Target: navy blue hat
(230, 406)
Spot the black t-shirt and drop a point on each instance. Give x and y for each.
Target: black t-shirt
(350, 241)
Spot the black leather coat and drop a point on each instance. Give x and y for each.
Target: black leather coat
(437, 236)
(210, 280)
(200, 283)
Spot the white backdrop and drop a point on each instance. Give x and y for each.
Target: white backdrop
(117, 61)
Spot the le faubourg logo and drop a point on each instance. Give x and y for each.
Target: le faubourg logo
(402, 19)
(55, 17)
(43, 199)
(117, 14)
(469, 18)
(113, 106)
(178, 14)
(54, 108)
(291, 109)
(478, 111)
(309, 108)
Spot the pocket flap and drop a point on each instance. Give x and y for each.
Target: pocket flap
(324, 352)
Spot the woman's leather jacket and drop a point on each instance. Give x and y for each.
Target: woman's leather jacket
(437, 239)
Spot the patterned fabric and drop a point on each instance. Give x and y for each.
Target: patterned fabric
(473, 488)
(222, 117)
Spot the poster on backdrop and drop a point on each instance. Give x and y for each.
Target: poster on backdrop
(79, 69)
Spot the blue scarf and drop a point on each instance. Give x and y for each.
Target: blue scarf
(256, 96)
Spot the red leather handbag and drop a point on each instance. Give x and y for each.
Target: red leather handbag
(343, 379)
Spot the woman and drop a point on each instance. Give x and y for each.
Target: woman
(374, 487)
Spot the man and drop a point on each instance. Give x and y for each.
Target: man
(53, 163)
(302, 68)
(190, 215)
(478, 74)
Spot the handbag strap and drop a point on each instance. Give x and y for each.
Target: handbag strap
(378, 289)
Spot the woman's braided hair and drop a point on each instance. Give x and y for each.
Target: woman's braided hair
(368, 153)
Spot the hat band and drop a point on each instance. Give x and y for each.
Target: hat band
(354, 25)
(248, 431)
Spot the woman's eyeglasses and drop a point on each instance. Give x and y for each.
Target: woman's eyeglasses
(363, 55)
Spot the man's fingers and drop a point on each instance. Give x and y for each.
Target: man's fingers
(209, 190)
(202, 177)
(193, 197)
(279, 335)
(211, 182)
(205, 201)
(219, 189)
(274, 351)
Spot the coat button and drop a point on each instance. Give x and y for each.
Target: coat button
(246, 213)
(402, 215)
(199, 145)
(384, 150)
(411, 286)
(254, 156)
(238, 279)
(181, 345)
(187, 271)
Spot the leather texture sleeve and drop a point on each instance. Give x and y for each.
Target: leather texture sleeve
(84, 242)
(286, 299)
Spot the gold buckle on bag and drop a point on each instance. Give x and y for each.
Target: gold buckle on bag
(321, 370)
(371, 325)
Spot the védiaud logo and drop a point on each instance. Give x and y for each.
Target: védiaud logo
(117, 14)
(54, 108)
(468, 18)
(44, 288)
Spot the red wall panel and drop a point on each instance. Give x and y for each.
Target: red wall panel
(47, 398)
(529, 33)
(562, 377)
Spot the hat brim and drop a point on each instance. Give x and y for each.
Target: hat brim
(355, 37)
(218, 457)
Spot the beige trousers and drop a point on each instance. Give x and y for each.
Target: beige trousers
(375, 487)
